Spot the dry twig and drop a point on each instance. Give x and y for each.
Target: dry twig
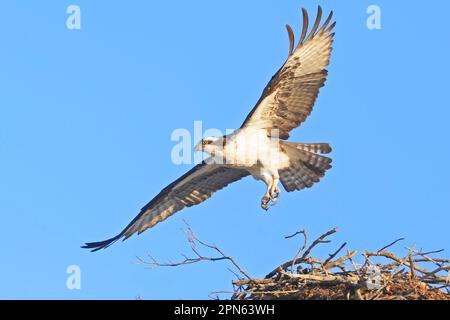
(194, 241)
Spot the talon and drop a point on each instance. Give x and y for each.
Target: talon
(274, 195)
(265, 203)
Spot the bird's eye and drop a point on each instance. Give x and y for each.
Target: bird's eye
(204, 142)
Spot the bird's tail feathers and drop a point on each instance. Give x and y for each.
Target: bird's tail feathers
(320, 148)
(307, 166)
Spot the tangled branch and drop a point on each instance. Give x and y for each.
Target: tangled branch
(195, 244)
(340, 277)
(380, 275)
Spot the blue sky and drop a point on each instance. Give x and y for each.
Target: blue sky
(86, 118)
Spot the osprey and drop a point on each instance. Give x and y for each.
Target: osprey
(259, 147)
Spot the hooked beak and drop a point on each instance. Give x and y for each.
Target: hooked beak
(199, 147)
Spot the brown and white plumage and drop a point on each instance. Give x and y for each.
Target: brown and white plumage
(285, 103)
(289, 97)
(192, 188)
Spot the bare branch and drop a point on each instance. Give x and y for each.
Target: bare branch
(303, 258)
(430, 252)
(391, 244)
(334, 254)
(305, 242)
(195, 243)
(318, 241)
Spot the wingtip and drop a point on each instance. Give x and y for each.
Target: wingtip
(304, 11)
(291, 39)
(319, 8)
(88, 246)
(92, 246)
(331, 27)
(96, 246)
(304, 28)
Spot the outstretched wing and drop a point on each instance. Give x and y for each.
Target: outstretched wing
(192, 188)
(289, 97)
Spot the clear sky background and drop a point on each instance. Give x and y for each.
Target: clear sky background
(86, 118)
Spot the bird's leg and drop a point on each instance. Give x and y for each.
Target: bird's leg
(266, 199)
(274, 191)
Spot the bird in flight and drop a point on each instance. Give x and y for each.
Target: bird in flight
(259, 147)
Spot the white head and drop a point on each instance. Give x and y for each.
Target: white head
(211, 145)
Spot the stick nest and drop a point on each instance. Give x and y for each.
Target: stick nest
(380, 275)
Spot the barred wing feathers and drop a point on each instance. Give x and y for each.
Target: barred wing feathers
(289, 97)
(192, 188)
